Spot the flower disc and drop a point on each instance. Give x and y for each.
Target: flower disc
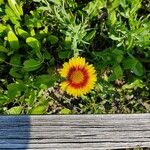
(80, 77)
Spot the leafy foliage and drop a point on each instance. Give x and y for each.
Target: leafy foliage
(37, 36)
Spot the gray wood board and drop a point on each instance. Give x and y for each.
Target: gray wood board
(75, 132)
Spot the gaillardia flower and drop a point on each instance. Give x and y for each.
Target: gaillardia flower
(80, 77)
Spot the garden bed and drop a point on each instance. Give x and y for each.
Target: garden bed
(38, 36)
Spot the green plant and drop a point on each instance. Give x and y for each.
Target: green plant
(37, 36)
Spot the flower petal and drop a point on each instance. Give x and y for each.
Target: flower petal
(81, 77)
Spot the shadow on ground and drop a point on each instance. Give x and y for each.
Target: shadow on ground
(14, 132)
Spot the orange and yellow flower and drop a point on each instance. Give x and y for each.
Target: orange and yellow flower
(80, 77)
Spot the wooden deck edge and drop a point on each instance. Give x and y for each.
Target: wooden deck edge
(69, 132)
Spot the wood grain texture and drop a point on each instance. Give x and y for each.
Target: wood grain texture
(74, 132)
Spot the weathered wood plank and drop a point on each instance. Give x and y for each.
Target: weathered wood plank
(72, 132)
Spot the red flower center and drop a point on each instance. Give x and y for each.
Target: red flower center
(77, 77)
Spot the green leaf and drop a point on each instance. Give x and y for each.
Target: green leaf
(123, 3)
(52, 39)
(1, 2)
(3, 49)
(14, 89)
(34, 43)
(57, 2)
(2, 28)
(15, 72)
(128, 63)
(10, 14)
(46, 79)
(13, 40)
(138, 69)
(65, 111)
(112, 18)
(117, 73)
(93, 7)
(24, 34)
(118, 55)
(32, 98)
(2, 57)
(15, 110)
(134, 65)
(31, 65)
(19, 8)
(38, 110)
(15, 7)
(114, 4)
(43, 79)
(46, 55)
(3, 99)
(115, 38)
(64, 54)
(68, 41)
(135, 5)
(37, 1)
(90, 35)
(134, 85)
(15, 60)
